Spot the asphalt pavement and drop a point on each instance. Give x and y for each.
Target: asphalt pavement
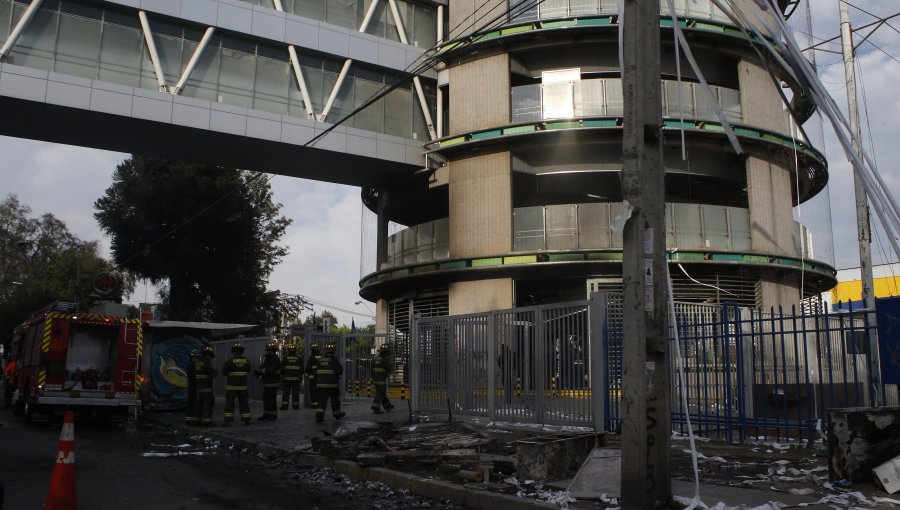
(755, 477)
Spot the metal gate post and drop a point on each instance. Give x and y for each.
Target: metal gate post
(492, 366)
(538, 384)
(597, 311)
(452, 366)
(414, 365)
(745, 368)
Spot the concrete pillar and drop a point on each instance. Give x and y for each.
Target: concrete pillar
(480, 184)
(769, 185)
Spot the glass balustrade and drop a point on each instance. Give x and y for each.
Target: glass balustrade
(569, 227)
(528, 10)
(603, 97)
(108, 45)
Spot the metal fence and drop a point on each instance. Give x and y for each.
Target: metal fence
(747, 374)
(528, 364)
(356, 350)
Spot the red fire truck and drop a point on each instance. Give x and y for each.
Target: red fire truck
(70, 360)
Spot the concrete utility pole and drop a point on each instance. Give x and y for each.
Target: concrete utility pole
(863, 225)
(645, 380)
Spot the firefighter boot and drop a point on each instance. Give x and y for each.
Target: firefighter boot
(320, 417)
(340, 414)
(283, 407)
(377, 410)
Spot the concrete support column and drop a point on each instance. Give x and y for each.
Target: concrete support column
(480, 184)
(769, 185)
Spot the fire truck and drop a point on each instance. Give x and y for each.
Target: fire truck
(71, 360)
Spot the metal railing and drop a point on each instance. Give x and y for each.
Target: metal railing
(747, 374)
(590, 226)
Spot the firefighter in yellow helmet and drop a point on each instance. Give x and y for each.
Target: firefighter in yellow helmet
(328, 378)
(191, 417)
(236, 371)
(291, 371)
(270, 373)
(309, 372)
(381, 369)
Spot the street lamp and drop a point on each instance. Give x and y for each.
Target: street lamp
(366, 305)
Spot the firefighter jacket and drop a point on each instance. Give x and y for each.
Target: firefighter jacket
(203, 374)
(328, 371)
(310, 370)
(236, 371)
(291, 367)
(270, 371)
(381, 368)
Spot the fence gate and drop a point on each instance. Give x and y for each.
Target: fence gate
(357, 351)
(529, 364)
(747, 374)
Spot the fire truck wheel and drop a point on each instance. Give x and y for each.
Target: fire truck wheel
(19, 407)
(29, 408)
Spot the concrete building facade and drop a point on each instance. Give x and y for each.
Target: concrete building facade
(519, 202)
(493, 179)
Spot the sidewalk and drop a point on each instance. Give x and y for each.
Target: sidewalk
(791, 483)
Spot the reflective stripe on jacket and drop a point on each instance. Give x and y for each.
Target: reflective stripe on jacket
(236, 371)
(328, 371)
(380, 370)
(291, 368)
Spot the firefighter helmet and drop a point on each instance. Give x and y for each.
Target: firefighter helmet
(384, 348)
(195, 353)
(314, 347)
(291, 348)
(209, 351)
(272, 346)
(237, 348)
(329, 348)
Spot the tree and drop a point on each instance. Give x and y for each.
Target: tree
(41, 262)
(209, 234)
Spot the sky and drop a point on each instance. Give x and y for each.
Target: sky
(324, 239)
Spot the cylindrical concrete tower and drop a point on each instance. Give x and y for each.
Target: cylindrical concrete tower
(518, 203)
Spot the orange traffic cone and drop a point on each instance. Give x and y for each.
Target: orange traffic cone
(62, 495)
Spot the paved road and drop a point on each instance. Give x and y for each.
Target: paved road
(155, 467)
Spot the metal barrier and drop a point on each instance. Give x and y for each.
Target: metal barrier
(357, 352)
(529, 364)
(747, 374)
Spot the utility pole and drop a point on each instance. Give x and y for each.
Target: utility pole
(646, 427)
(863, 225)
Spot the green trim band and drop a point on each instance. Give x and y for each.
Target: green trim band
(616, 123)
(599, 256)
(606, 20)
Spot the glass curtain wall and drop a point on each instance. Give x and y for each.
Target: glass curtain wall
(527, 10)
(419, 22)
(108, 45)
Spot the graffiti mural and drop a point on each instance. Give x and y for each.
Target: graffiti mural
(168, 370)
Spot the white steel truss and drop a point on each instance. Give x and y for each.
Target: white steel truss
(19, 28)
(151, 48)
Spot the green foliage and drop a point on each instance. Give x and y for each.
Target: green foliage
(46, 261)
(208, 234)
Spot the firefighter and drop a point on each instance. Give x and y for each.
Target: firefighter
(270, 372)
(205, 373)
(309, 372)
(190, 411)
(381, 369)
(328, 376)
(9, 382)
(236, 371)
(291, 371)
